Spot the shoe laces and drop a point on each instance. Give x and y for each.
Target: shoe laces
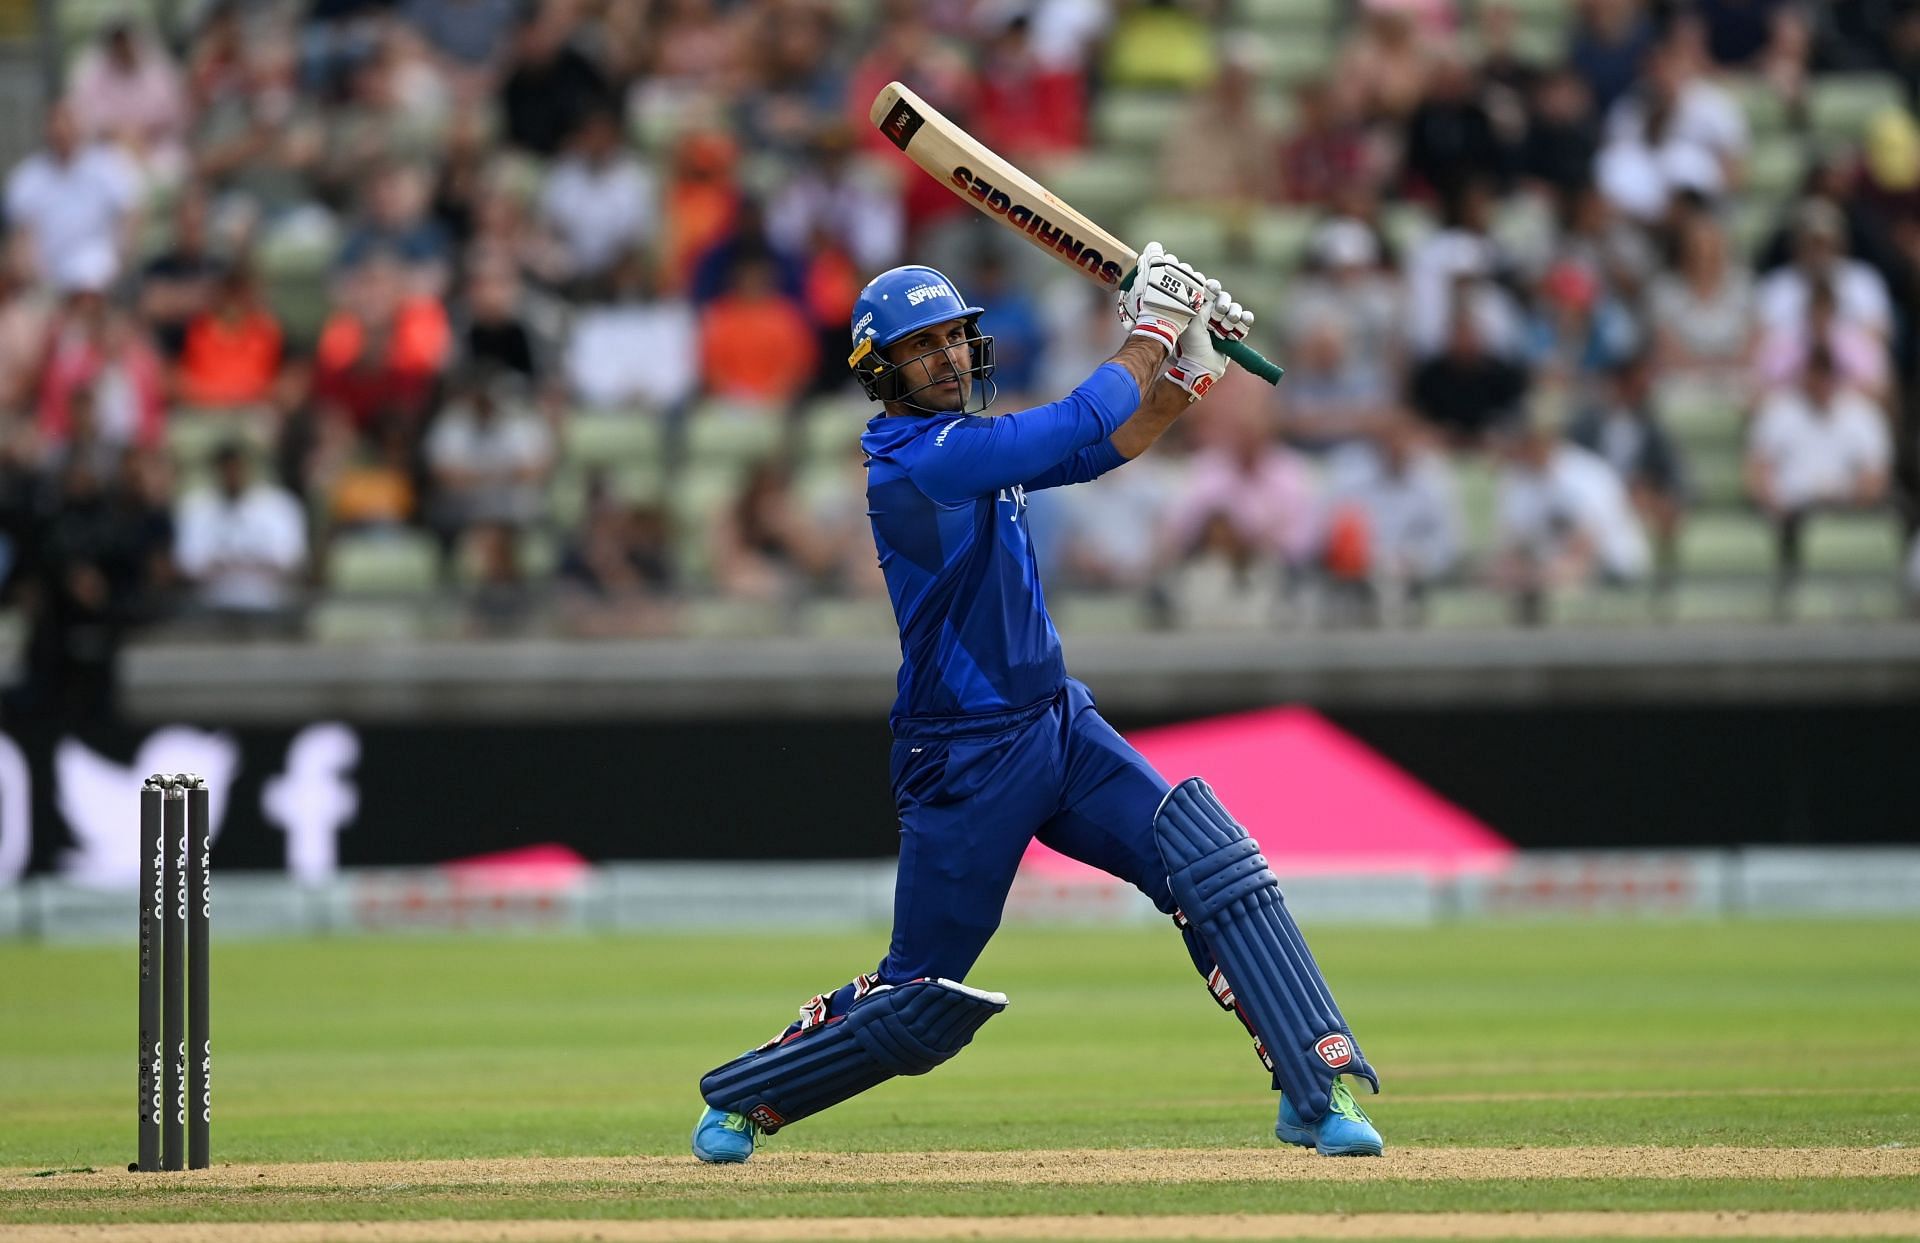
(1342, 1103)
(741, 1123)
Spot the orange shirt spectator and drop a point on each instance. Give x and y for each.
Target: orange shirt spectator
(701, 201)
(232, 351)
(756, 345)
(382, 351)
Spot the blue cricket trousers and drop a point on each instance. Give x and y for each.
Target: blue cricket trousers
(973, 791)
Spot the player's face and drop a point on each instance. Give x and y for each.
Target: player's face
(934, 365)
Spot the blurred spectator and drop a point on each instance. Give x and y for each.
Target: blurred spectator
(1025, 107)
(831, 192)
(598, 200)
(383, 348)
(1467, 391)
(399, 102)
(1460, 264)
(95, 346)
(1216, 174)
(550, 85)
(1393, 521)
(1674, 133)
(1860, 293)
(84, 445)
(396, 223)
(1564, 520)
(617, 578)
(798, 75)
(490, 457)
(1583, 315)
(1609, 45)
(26, 317)
(637, 348)
(1562, 134)
(86, 566)
(764, 548)
(501, 600)
(369, 482)
(906, 49)
(496, 334)
(1107, 537)
(1012, 319)
(77, 203)
(1859, 355)
(177, 285)
(1386, 64)
(1450, 138)
(263, 141)
(1701, 314)
(243, 546)
(1224, 578)
(1326, 147)
(232, 354)
(1241, 475)
(756, 344)
(1169, 46)
(747, 239)
(461, 180)
(1624, 430)
(126, 90)
(471, 34)
(702, 203)
(1816, 446)
(1343, 334)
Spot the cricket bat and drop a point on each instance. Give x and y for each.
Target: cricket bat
(965, 165)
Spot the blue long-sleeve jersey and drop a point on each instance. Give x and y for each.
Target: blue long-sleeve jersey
(947, 496)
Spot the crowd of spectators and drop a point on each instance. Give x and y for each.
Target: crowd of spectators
(296, 275)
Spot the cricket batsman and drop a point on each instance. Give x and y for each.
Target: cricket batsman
(994, 745)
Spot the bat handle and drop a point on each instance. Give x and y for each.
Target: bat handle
(1251, 360)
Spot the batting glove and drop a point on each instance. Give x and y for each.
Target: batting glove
(1165, 297)
(1196, 363)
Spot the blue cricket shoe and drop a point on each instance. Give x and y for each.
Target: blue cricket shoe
(723, 1139)
(1343, 1132)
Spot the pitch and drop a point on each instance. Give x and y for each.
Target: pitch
(1576, 1080)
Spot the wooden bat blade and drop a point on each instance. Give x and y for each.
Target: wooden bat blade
(1005, 194)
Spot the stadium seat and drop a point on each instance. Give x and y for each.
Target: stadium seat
(1301, 14)
(539, 557)
(1136, 120)
(1103, 185)
(624, 438)
(384, 563)
(1477, 482)
(1600, 606)
(1867, 544)
(830, 430)
(349, 622)
(1840, 105)
(1765, 108)
(1776, 167)
(716, 618)
(1279, 235)
(1726, 545)
(193, 432)
(1702, 416)
(1189, 230)
(1283, 57)
(719, 434)
(1723, 601)
(1082, 613)
(1717, 477)
(848, 619)
(1754, 220)
(1467, 608)
(1406, 225)
(694, 496)
(1850, 600)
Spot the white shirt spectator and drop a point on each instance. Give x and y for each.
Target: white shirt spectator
(1577, 495)
(637, 353)
(1414, 526)
(598, 213)
(1813, 456)
(490, 467)
(1860, 297)
(144, 102)
(867, 219)
(1704, 116)
(1433, 269)
(1106, 534)
(244, 551)
(74, 211)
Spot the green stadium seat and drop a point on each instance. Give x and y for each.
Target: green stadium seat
(848, 619)
(1717, 476)
(539, 556)
(193, 433)
(1840, 105)
(623, 438)
(1702, 416)
(384, 563)
(77, 21)
(1754, 220)
(1189, 230)
(1867, 544)
(726, 435)
(1600, 606)
(1136, 120)
(1278, 236)
(1818, 600)
(716, 618)
(1470, 608)
(1726, 545)
(1283, 57)
(1106, 613)
(1776, 167)
(1103, 185)
(830, 430)
(1477, 483)
(1309, 14)
(1751, 601)
(1406, 225)
(694, 497)
(352, 622)
(1540, 12)
(1764, 106)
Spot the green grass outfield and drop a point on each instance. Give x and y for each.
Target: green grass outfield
(1566, 1036)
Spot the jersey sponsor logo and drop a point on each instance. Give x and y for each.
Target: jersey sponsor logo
(1028, 219)
(1334, 1049)
(940, 439)
(920, 293)
(1017, 495)
(860, 325)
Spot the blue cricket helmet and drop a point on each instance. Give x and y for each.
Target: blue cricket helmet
(897, 303)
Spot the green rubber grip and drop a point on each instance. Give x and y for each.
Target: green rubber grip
(1252, 361)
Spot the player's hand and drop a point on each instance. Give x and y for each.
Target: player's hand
(1165, 297)
(1196, 363)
